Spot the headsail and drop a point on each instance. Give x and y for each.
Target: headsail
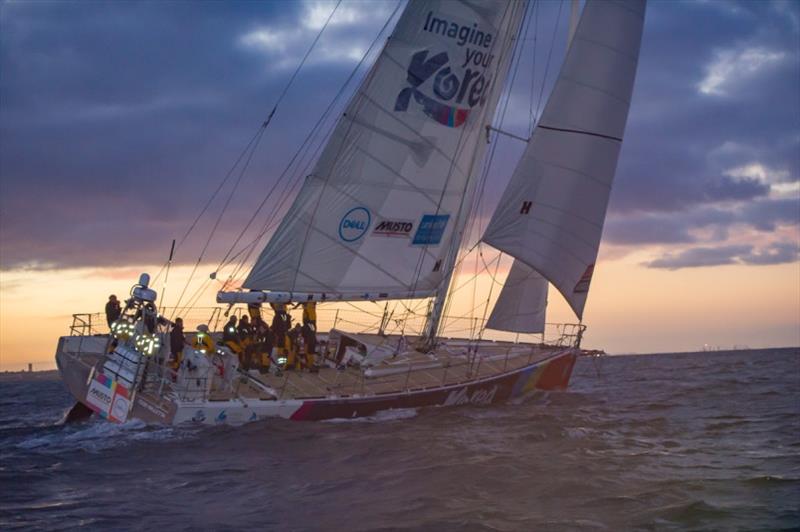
(522, 304)
(380, 210)
(551, 215)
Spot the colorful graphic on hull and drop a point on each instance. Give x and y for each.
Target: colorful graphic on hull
(108, 398)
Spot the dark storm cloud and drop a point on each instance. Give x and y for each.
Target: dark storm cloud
(680, 140)
(776, 253)
(677, 227)
(118, 120)
(701, 256)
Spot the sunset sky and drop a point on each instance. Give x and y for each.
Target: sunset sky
(119, 120)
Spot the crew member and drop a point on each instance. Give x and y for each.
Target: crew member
(230, 336)
(245, 333)
(295, 347)
(310, 346)
(113, 310)
(254, 310)
(280, 328)
(203, 342)
(176, 342)
(310, 332)
(262, 348)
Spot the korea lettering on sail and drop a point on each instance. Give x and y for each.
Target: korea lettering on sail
(452, 76)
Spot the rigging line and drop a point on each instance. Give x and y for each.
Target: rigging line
(290, 189)
(262, 127)
(214, 195)
(488, 299)
(477, 201)
(303, 61)
(516, 56)
(357, 102)
(311, 134)
(454, 244)
(549, 55)
(286, 90)
(221, 214)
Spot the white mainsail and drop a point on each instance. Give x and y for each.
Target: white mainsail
(380, 210)
(552, 212)
(522, 304)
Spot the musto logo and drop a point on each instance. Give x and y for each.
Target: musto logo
(447, 91)
(354, 224)
(394, 228)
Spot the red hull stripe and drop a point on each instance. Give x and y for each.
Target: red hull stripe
(549, 375)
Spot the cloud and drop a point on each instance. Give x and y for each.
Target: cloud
(696, 257)
(726, 188)
(118, 120)
(700, 256)
(776, 253)
(732, 67)
(343, 41)
(687, 227)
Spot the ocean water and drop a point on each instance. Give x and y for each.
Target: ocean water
(679, 441)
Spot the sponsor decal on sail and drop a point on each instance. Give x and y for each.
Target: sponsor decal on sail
(394, 228)
(586, 278)
(448, 84)
(354, 224)
(431, 230)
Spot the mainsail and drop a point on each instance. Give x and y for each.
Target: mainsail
(552, 212)
(522, 304)
(382, 208)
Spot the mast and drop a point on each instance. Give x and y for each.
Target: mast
(433, 321)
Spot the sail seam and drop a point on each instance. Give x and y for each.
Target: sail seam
(632, 57)
(355, 254)
(576, 171)
(555, 279)
(624, 7)
(565, 211)
(570, 233)
(391, 115)
(581, 132)
(414, 187)
(596, 89)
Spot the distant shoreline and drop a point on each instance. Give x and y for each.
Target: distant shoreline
(25, 375)
(710, 351)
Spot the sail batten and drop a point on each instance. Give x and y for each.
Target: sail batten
(552, 213)
(382, 209)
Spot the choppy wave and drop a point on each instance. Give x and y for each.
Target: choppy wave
(643, 442)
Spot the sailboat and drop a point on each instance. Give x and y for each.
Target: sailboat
(382, 217)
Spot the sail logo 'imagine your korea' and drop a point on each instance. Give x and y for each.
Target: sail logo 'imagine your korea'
(447, 88)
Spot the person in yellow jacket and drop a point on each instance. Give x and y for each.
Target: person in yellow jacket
(203, 341)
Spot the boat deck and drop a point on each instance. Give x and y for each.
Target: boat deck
(453, 362)
(413, 373)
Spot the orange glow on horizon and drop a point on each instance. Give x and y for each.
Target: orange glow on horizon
(630, 308)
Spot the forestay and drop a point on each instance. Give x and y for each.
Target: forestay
(522, 304)
(551, 215)
(389, 192)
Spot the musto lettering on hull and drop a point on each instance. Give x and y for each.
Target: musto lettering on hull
(446, 86)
